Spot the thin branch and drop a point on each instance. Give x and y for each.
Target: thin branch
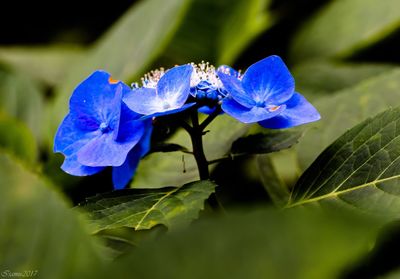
(210, 118)
(186, 126)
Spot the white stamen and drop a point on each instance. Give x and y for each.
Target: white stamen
(151, 79)
(204, 72)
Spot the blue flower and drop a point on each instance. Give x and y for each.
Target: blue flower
(164, 96)
(206, 86)
(99, 130)
(265, 94)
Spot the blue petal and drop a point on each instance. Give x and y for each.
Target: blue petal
(167, 112)
(228, 70)
(269, 80)
(70, 138)
(105, 151)
(123, 174)
(73, 167)
(174, 86)
(94, 100)
(145, 141)
(234, 87)
(207, 110)
(130, 125)
(248, 115)
(143, 100)
(298, 111)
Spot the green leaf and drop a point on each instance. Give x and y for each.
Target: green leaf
(345, 109)
(38, 231)
(261, 244)
(16, 138)
(319, 78)
(217, 31)
(48, 64)
(360, 170)
(271, 141)
(176, 168)
(125, 50)
(343, 27)
(22, 98)
(144, 209)
(275, 188)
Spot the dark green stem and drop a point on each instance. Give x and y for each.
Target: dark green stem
(210, 118)
(196, 136)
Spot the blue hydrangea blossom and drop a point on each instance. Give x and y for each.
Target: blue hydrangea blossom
(206, 87)
(100, 131)
(265, 94)
(162, 94)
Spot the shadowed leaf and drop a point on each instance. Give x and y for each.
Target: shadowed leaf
(271, 141)
(38, 231)
(359, 171)
(143, 209)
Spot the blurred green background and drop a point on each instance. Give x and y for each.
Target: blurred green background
(344, 55)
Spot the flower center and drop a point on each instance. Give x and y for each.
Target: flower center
(260, 104)
(166, 106)
(204, 74)
(104, 127)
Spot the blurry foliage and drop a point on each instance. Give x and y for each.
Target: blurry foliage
(331, 45)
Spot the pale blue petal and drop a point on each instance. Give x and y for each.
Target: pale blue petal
(167, 112)
(73, 167)
(105, 151)
(70, 138)
(174, 86)
(248, 115)
(131, 126)
(143, 101)
(234, 87)
(228, 70)
(298, 111)
(269, 80)
(123, 174)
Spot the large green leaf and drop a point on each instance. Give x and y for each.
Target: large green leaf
(340, 111)
(318, 78)
(22, 98)
(360, 170)
(16, 138)
(176, 168)
(125, 50)
(345, 26)
(345, 109)
(217, 31)
(143, 209)
(263, 244)
(48, 64)
(38, 231)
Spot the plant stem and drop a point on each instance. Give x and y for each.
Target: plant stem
(210, 118)
(196, 136)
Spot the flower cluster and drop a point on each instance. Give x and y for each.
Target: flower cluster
(110, 123)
